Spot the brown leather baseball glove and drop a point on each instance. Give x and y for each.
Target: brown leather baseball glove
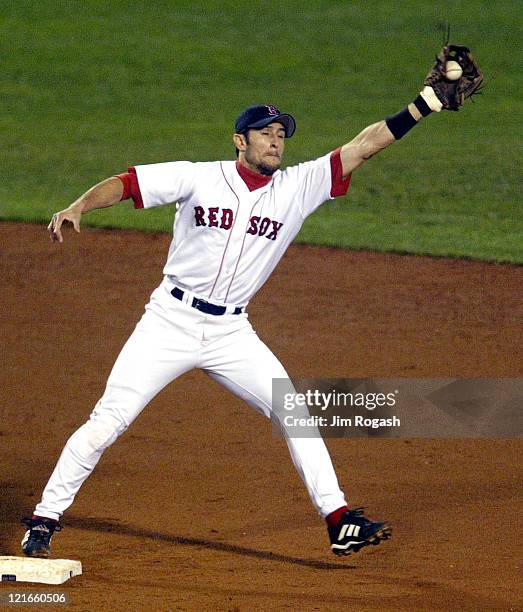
(450, 93)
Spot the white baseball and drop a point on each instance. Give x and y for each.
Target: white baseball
(453, 70)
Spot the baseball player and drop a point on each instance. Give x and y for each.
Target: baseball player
(234, 221)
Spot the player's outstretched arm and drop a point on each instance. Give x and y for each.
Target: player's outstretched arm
(379, 136)
(454, 77)
(103, 195)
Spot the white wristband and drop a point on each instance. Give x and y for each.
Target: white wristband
(431, 98)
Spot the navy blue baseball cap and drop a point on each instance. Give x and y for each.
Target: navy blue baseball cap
(257, 117)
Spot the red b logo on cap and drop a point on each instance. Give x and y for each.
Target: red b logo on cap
(272, 110)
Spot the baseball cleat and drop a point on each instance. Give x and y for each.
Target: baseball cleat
(354, 531)
(37, 538)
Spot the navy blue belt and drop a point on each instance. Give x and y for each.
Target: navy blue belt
(203, 306)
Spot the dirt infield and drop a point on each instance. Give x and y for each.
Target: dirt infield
(197, 506)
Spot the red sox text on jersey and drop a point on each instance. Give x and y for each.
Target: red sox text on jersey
(224, 217)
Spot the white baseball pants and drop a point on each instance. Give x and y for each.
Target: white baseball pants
(170, 339)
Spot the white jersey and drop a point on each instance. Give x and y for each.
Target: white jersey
(228, 239)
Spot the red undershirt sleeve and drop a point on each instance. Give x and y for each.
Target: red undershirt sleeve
(131, 188)
(340, 186)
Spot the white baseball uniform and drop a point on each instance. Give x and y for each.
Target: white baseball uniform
(231, 229)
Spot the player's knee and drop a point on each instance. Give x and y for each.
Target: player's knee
(104, 426)
(90, 441)
(102, 432)
(121, 402)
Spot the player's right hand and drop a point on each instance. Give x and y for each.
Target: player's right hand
(70, 214)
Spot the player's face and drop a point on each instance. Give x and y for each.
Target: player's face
(262, 150)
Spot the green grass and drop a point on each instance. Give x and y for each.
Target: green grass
(90, 87)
